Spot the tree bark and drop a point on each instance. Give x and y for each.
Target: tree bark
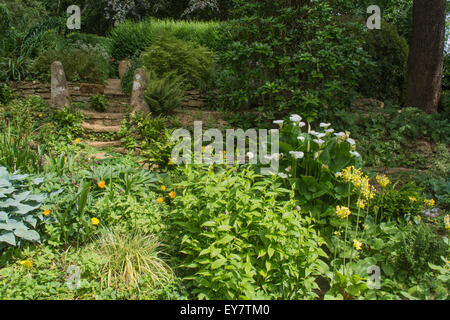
(425, 63)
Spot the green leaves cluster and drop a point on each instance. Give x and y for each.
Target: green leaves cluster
(241, 236)
(19, 217)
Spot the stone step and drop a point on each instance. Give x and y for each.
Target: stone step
(103, 115)
(97, 128)
(104, 122)
(103, 144)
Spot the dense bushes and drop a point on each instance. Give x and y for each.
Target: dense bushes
(285, 57)
(385, 80)
(79, 65)
(239, 239)
(131, 38)
(169, 54)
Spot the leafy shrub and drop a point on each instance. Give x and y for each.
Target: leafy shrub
(237, 238)
(386, 79)
(99, 102)
(164, 94)
(79, 65)
(14, 68)
(286, 56)
(6, 93)
(68, 121)
(187, 59)
(19, 217)
(419, 245)
(92, 40)
(130, 38)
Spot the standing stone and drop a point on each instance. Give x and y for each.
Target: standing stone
(138, 103)
(123, 67)
(59, 91)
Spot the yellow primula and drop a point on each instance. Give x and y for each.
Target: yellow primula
(383, 180)
(447, 222)
(429, 202)
(412, 199)
(95, 221)
(361, 203)
(359, 180)
(342, 212)
(163, 188)
(357, 244)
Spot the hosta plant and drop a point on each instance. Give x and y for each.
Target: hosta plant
(20, 210)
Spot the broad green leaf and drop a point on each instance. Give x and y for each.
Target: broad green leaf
(8, 238)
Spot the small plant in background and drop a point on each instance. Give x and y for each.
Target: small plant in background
(6, 93)
(99, 102)
(164, 94)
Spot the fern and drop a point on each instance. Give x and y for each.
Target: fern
(165, 94)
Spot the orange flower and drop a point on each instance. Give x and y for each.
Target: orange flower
(159, 200)
(163, 188)
(101, 184)
(173, 194)
(46, 212)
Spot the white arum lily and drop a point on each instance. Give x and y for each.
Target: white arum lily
(329, 130)
(295, 118)
(279, 122)
(340, 134)
(312, 132)
(250, 155)
(301, 138)
(301, 124)
(320, 142)
(282, 175)
(297, 154)
(355, 153)
(351, 141)
(320, 135)
(325, 125)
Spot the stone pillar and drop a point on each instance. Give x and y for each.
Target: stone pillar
(123, 67)
(138, 103)
(59, 90)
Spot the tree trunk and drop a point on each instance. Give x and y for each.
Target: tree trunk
(425, 61)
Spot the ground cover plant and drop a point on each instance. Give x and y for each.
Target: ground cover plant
(358, 208)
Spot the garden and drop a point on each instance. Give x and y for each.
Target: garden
(95, 206)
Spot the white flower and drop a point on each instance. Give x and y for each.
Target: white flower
(276, 156)
(355, 153)
(279, 122)
(295, 118)
(340, 134)
(250, 155)
(297, 154)
(351, 141)
(298, 208)
(301, 124)
(312, 132)
(282, 175)
(301, 138)
(329, 130)
(320, 135)
(320, 142)
(288, 169)
(325, 125)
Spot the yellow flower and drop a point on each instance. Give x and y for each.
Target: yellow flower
(77, 141)
(173, 194)
(447, 222)
(342, 212)
(101, 184)
(159, 200)
(383, 180)
(26, 263)
(361, 203)
(357, 244)
(95, 221)
(429, 203)
(366, 227)
(40, 115)
(46, 212)
(337, 233)
(163, 188)
(412, 199)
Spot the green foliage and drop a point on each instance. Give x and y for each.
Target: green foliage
(131, 38)
(19, 217)
(419, 245)
(99, 102)
(14, 68)
(285, 56)
(68, 122)
(187, 59)
(239, 239)
(6, 93)
(127, 80)
(385, 80)
(165, 94)
(79, 65)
